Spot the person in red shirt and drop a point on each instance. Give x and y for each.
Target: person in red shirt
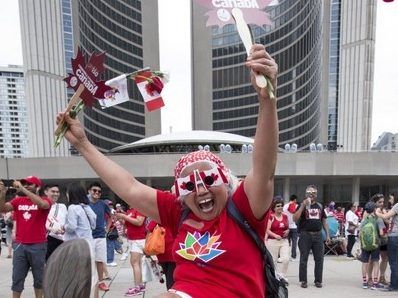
(277, 232)
(214, 256)
(135, 233)
(30, 247)
(166, 260)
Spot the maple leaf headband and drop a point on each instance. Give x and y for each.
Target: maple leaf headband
(198, 156)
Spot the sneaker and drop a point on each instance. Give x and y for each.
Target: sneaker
(103, 287)
(365, 285)
(113, 264)
(133, 291)
(304, 284)
(123, 257)
(376, 287)
(142, 287)
(318, 284)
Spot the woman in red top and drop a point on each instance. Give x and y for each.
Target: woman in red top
(135, 233)
(214, 256)
(277, 232)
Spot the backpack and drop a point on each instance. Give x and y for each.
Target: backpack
(369, 236)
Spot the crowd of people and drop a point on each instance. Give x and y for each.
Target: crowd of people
(68, 248)
(336, 230)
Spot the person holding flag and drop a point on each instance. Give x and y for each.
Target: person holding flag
(208, 242)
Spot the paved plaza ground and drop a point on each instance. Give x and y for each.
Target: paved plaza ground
(342, 279)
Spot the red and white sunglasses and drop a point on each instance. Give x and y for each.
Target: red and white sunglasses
(208, 178)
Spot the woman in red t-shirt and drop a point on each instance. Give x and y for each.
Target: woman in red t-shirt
(135, 233)
(214, 256)
(277, 232)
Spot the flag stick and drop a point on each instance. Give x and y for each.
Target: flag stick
(72, 102)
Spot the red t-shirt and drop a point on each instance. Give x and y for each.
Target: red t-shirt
(339, 216)
(134, 232)
(167, 256)
(218, 260)
(30, 220)
(279, 227)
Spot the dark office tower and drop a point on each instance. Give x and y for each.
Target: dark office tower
(223, 98)
(128, 32)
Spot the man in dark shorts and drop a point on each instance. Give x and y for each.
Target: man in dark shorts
(30, 246)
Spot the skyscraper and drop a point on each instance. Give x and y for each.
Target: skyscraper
(13, 116)
(312, 42)
(47, 45)
(128, 32)
(357, 51)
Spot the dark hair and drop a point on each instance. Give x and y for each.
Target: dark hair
(68, 271)
(77, 194)
(395, 195)
(277, 200)
(48, 186)
(293, 197)
(97, 184)
(377, 197)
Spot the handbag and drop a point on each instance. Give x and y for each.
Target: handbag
(275, 287)
(351, 228)
(112, 234)
(154, 242)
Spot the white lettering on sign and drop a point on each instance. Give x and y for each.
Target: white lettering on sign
(86, 80)
(235, 3)
(27, 207)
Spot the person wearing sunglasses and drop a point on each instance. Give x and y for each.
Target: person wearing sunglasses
(277, 232)
(100, 208)
(311, 218)
(214, 256)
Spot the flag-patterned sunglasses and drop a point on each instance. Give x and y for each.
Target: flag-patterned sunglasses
(208, 178)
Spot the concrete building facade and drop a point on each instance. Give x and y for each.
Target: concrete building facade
(45, 29)
(14, 129)
(357, 51)
(128, 32)
(387, 141)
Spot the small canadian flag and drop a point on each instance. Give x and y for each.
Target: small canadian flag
(150, 87)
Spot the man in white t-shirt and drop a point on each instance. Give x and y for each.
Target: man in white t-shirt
(289, 210)
(55, 220)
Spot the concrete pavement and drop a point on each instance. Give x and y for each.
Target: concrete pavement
(342, 279)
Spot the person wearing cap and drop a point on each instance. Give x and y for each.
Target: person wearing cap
(232, 265)
(56, 218)
(30, 246)
(311, 219)
(370, 255)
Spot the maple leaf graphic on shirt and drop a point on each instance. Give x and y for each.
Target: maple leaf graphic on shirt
(26, 215)
(198, 246)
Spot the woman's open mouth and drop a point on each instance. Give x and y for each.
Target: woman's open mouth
(206, 205)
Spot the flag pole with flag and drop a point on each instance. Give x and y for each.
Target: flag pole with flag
(150, 86)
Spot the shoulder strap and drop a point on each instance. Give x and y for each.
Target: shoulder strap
(56, 209)
(244, 224)
(184, 215)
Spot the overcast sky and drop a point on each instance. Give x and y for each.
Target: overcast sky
(175, 58)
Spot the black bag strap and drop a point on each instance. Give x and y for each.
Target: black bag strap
(234, 212)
